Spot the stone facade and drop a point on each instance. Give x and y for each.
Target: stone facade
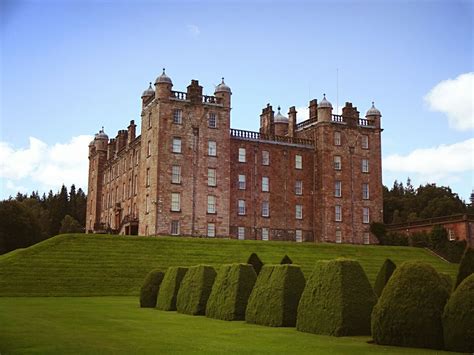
(189, 173)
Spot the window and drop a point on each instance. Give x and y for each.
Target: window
(365, 215)
(337, 138)
(298, 187)
(149, 120)
(176, 174)
(365, 165)
(365, 191)
(451, 235)
(241, 182)
(265, 233)
(211, 177)
(124, 194)
(265, 184)
(338, 213)
(212, 120)
(135, 187)
(211, 230)
(338, 237)
(211, 148)
(298, 162)
(365, 141)
(211, 204)
(299, 235)
(265, 209)
(176, 145)
(242, 157)
(137, 155)
(241, 233)
(241, 207)
(366, 238)
(147, 204)
(265, 158)
(148, 149)
(178, 116)
(147, 176)
(337, 162)
(174, 227)
(175, 202)
(299, 212)
(338, 188)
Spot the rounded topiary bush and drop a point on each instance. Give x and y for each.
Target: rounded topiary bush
(195, 290)
(169, 288)
(466, 266)
(458, 318)
(150, 288)
(286, 260)
(383, 276)
(275, 296)
(447, 281)
(408, 313)
(337, 300)
(255, 261)
(231, 291)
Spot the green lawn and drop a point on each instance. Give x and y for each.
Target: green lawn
(87, 325)
(102, 265)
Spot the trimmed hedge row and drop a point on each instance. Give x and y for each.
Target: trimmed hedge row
(409, 311)
(255, 261)
(275, 296)
(383, 276)
(337, 300)
(169, 288)
(231, 291)
(150, 288)
(195, 290)
(466, 266)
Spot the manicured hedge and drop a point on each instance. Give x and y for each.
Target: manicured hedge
(255, 261)
(409, 311)
(458, 318)
(150, 288)
(195, 290)
(286, 260)
(231, 291)
(447, 281)
(169, 288)
(275, 296)
(383, 276)
(466, 267)
(337, 300)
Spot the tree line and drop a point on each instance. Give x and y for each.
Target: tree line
(29, 219)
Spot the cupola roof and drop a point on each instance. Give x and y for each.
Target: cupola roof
(148, 92)
(279, 118)
(373, 111)
(163, 78)
(324, 103)
(222, 87)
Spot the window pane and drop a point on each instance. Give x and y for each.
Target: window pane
(242, 157)
(338, 189)
(299, 187)
(265, 233)
(299, 212)
(338, 237)
(174, 227)
(338, 213)
(299, 235)
(211, 177)
(177, 116)
(337, 138)
(265, 158)
(265, 209)
(365, 142)
(176, 174)
(365, 217)
(337, 162)
(175, 201)
(212, 120)
(211, 204)
(211, 230)
(365, 165)
(298, 162)
(241, 207)
(176, 145)
(212, 148)
(241, 182)
(241, 233)
(265, 184)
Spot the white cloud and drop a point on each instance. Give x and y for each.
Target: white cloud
(444, 161)
(42, 167)
(194, 30)
(455, 98)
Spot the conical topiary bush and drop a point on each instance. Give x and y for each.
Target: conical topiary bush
(195, 290)
(408, 313)
(150, 288)
(383, 276)
(458, 318)
(169, 288)
(286, 260)
(466, 266)
(231, 291)
(255, 261)
(337, 300)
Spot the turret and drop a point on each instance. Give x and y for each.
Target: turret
(100, 140)
(163, 85)
(324, 110)
(292, 121)
(223, 92)
(148, 95)
(281, 124)
(373, 115)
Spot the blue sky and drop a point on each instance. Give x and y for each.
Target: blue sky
(70, 67)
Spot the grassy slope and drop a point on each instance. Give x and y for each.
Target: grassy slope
(116, 325)
(88, 265)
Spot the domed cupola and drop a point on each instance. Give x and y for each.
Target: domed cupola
(279, 118)
(148, 92)
(373, 111)
(222, 87)
(101, 135)
(163, 79)
(324, 103)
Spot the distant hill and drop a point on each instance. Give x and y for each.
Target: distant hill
(92, 265)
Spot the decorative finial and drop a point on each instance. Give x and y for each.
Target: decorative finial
(324, 95)
(373, 104)
(222, 80)
(163, 70)
(102, 129)
(278, 108)
(150, 85)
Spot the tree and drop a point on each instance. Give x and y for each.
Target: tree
(70, 225)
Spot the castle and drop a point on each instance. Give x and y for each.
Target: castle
(189, 173)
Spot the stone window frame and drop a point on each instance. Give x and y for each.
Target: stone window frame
(148, 149)
(337, 160)
(241, 208)
(147, 204)
(242, 155)
(212, 177)
(298, 161)
(265, 157)
(177, 116)
(211, 230)
(337, 138)
(299, 235)
(241, 233)
(149, 120)
(364, 141)
(242, 183)
(299, 211)
(338, 237)
(177, 145)
(338, 188)
(265, 209)
(365, 165)
(175, 202)
(212, 120)
(365, 215)
(265, 233)
(147, 177)
(212, 148)
(365, 191)
(338, 213)
(176, 174)
(174, 230)
(211, 204)
(265, 184)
